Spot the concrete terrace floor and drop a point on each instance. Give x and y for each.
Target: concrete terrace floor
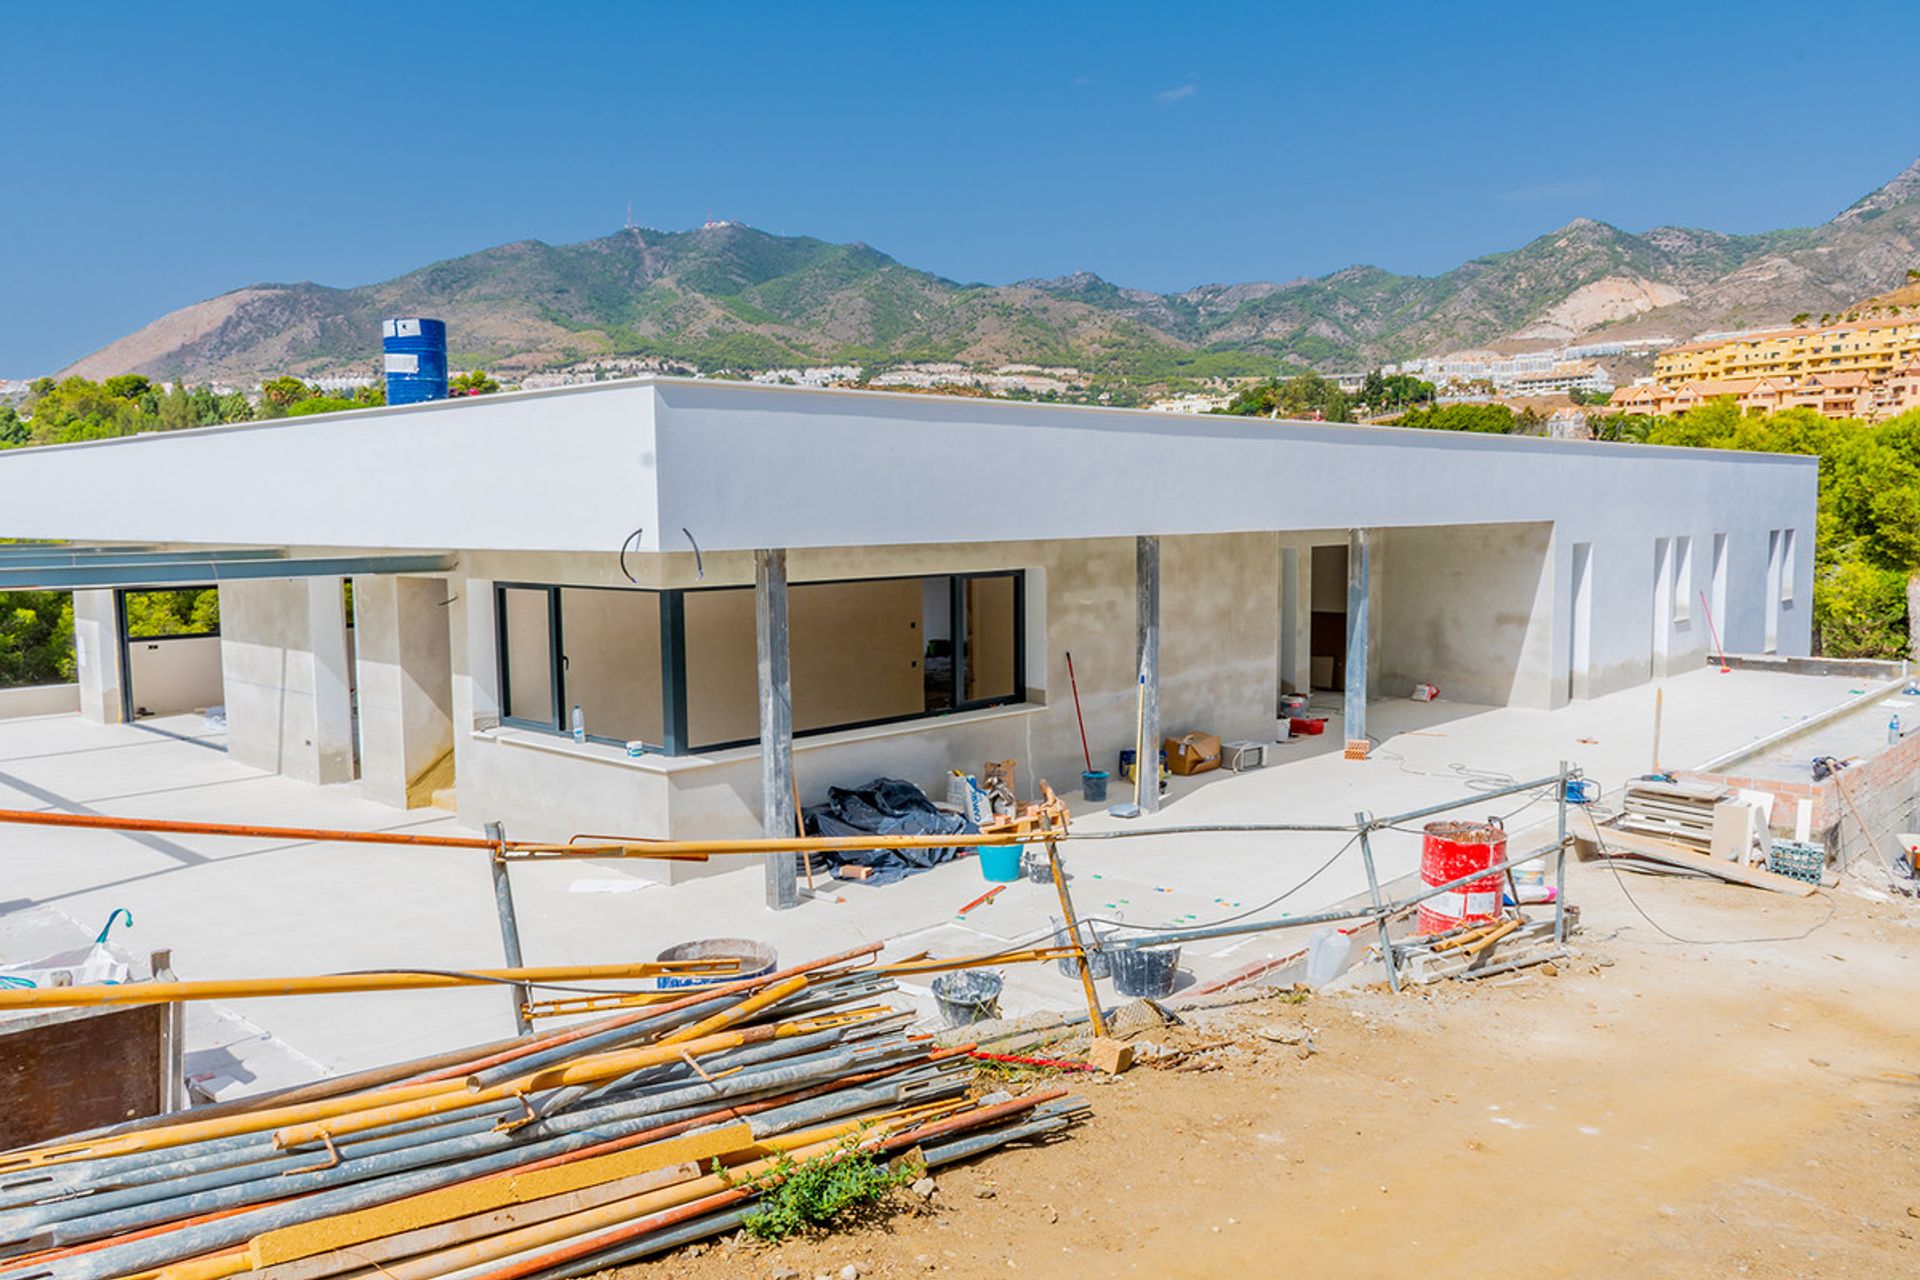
(233, 908)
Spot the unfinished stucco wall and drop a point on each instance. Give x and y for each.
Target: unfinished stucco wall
(283, 657)
(405, 683)
(96, 656)
(1220, 621)
(1469, 609)
(1628, 616)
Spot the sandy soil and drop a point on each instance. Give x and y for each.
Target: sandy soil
(1657, 1108)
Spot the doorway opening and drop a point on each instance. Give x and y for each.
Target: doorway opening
(1327, 626)
(170, 652)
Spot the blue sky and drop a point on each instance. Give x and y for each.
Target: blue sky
(153, 155)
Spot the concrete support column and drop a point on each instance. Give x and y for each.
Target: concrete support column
(283, 657)
(1296, 620)
(1146, 575)
(405, 680)
(1359, 582)
(776, 723)
(96, 656)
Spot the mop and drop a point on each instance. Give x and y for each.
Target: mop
(1132, 809)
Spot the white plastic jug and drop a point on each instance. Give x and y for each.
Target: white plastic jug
(1327, 956)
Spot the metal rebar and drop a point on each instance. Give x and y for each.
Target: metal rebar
(509, 925)
(1472, 798)
(1365, 825)
(1560, 863)
(1324, 917)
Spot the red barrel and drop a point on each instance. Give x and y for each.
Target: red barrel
(1448, 851)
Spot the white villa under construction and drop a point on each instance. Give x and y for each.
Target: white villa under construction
(619, 608)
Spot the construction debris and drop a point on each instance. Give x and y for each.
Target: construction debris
(563, 1153)
(1496, 946)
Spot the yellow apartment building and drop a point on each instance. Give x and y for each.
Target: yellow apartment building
(1874, 347)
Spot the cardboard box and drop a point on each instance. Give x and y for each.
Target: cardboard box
(1193, 753)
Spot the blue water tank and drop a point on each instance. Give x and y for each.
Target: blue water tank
(416, 360)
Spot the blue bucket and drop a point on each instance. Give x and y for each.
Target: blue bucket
(1001, 862)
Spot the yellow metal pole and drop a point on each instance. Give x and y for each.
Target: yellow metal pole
(746, 1008)
(222, 1127)
(585, 1070)
(766, 844)
(1098, 1018)
(338, 983)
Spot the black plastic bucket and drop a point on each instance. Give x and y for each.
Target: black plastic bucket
(1147, 972)
(1093, 785)
(968, 997)
(756, 960)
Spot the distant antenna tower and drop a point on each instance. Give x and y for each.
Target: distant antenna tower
(629, 213)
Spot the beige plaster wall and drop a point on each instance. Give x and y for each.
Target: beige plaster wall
(173, 675)
(1468, 608)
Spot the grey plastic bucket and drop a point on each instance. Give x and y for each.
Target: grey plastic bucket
(968, 997)
(1098, 963)
(1093, 785)
(756, 960)
(1147, 972)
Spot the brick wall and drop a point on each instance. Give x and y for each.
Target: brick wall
(1885, 788)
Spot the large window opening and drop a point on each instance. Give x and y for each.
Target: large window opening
(170, 662)
(677, 670)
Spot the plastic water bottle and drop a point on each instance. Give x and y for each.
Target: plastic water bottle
(1327, 956)
(579, 724)
(1893, 729)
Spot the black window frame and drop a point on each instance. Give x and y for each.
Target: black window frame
(673, 648)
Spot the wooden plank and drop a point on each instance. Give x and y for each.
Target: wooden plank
(81, 1069)
(459, 1230)
(1678, 790)
(484, 1194)
(1630, 844)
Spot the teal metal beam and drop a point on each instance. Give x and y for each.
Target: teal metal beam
(136, 558)
(212, 567)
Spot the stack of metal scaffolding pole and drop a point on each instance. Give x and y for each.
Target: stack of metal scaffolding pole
(556, 1155)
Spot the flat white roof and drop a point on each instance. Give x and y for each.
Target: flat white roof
(745, 465)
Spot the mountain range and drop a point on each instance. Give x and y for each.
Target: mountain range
(728, 296)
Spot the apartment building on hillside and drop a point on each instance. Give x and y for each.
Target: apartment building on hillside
(1845, 393)
(1853, 369)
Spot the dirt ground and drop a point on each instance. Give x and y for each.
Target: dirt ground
(1659, 1108)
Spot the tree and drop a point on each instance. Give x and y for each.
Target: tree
(36, 637)
(127, 386)
(1305, 396)
(173, 613)
(283, 391)
(233, 407)
(13, 431)
(474, 382)
(1490, 419)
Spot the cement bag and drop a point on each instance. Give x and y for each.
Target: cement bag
(82, 966)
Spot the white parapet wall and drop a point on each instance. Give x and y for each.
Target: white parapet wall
(39, 700)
